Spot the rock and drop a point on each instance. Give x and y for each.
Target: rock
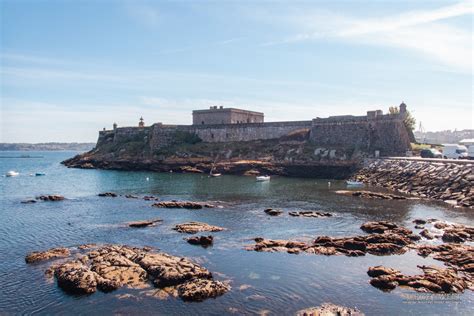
(52, 253)
(146, 223)
(149, 198)
(169, 270)
(394, 239)
(108, 194)
(378, 227)
(272, 212)
(251, 173)
(316, 214)
(433, 279)
(458, 256)
(372, 195)
(201, 289)
(191, 169)
(204, 241)
(130, 196)
(425, 233)
(28, 201)
(380, 270)
(328, 309)
(182, 204)
(50, 198)
(194, 227)
(110, 267)
(419, 221)
(74, 277)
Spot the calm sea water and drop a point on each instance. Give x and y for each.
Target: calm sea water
(278, 283)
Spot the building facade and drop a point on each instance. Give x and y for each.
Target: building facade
(220, 115)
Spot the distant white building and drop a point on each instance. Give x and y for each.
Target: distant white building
(467, 142)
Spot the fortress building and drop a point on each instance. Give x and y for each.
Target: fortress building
(220, 115)
(372, 132)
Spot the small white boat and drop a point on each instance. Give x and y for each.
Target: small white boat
(354, 183)
(215, 174)
(12, 173)
(263, 178)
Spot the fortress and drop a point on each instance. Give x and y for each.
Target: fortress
(385, 133)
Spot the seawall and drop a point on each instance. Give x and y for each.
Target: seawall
(449, 181)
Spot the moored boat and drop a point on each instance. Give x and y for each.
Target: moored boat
(263, 178)
(354, 183)
(12, 173)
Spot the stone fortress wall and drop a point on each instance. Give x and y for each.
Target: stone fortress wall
(374, 131)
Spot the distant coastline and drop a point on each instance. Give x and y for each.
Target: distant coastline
(46, 146)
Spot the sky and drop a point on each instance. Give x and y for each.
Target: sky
(70, 68)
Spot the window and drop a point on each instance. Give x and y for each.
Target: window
(212, 136)
(202, 122)
(248, 120)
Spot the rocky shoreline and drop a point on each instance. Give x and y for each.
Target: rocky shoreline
(330, 169)
(450, 182)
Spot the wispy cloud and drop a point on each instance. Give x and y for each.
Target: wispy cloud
(421, 31)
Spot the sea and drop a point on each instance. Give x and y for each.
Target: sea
(262, 283)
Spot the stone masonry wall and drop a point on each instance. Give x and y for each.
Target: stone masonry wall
(245, 132)
(386, 134)
(452, 182)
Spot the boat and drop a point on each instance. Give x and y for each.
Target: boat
(38, 174)
(354, 183)
(11, 173)
(263, 178)
(215, 174)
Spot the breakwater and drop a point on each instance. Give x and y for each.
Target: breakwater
(449, 181)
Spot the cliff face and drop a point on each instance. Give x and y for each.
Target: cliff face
(291, 155)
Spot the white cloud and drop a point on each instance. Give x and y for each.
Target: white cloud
(419, 31)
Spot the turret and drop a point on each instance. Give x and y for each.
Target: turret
(403, 108)
(141, 123)
(115, 126)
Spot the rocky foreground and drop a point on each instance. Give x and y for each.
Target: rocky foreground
(386, 238)
(449, 182)
(89, 268)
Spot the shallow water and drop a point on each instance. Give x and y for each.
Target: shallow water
(279, 283)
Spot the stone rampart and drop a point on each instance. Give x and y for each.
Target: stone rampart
(385, 133)
(245, 131)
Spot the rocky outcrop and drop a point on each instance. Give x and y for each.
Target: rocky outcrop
(372, 195)
(146, 223)
(328, 309)
(433, 279)
(204, 241)
(37, 256)
(456, 256)
(183, 204)
(273, 212)
(316, 214)
(50, 198)
(201, 289)
(195, 227)
(385, 239)
(28, 201)
(109, 267)
(108, 194)
(447, 181)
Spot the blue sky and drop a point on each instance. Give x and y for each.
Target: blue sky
(70, 68)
